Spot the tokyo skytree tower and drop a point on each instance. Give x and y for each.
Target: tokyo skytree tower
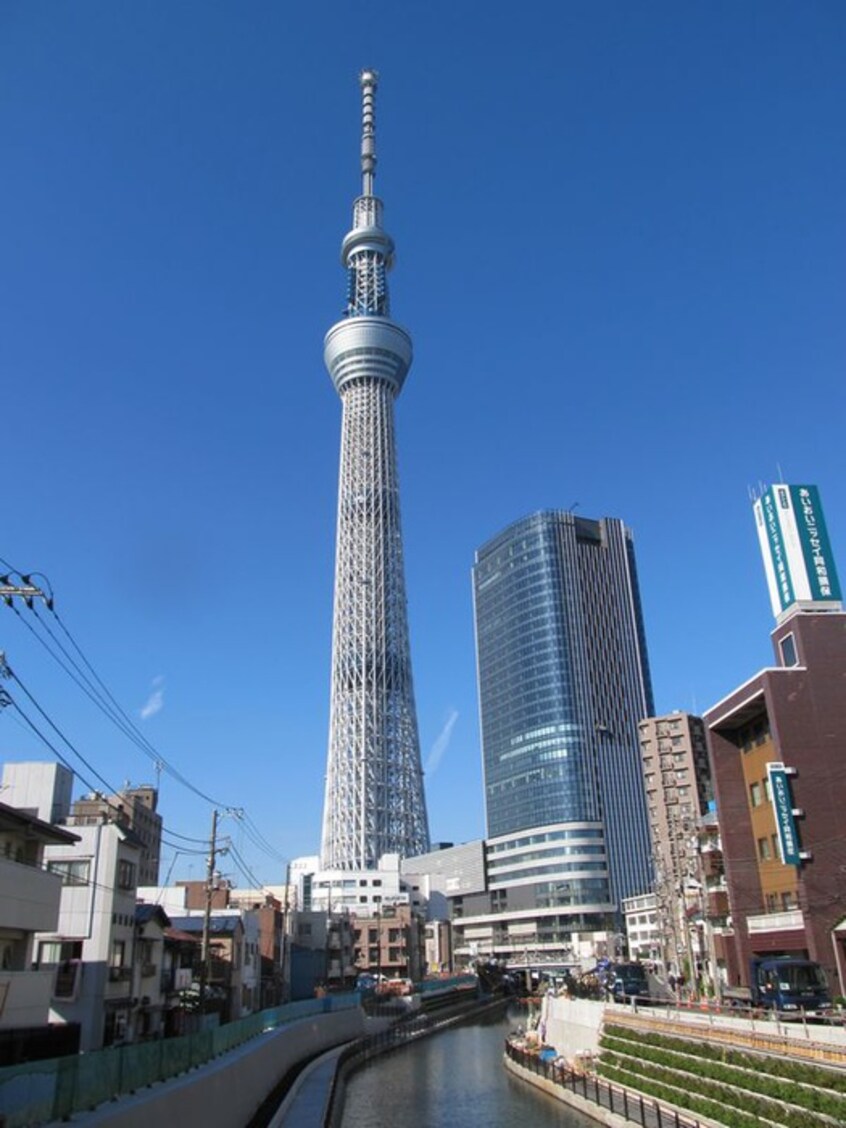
(374, 802)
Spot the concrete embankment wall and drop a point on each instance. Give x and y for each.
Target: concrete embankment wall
(571, 1025)
(227, 1092)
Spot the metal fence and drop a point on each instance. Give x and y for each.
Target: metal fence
(645, 1111)
(40, 1091)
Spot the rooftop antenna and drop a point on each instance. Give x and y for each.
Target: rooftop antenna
(369, 80)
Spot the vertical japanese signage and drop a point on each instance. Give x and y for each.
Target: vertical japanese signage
(794, 544)
(788, 838)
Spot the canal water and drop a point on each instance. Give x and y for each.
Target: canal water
(454, 1079)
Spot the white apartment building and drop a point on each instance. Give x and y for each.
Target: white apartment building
(29, 903)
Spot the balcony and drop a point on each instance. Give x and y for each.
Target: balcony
(30, 900)
(775, 922)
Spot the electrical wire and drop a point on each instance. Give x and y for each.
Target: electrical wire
(109, 706)
(118, 811)
(104, 700)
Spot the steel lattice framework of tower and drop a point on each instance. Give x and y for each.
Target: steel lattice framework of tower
(374, 802)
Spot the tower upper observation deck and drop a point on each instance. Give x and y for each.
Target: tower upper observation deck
(367, 342)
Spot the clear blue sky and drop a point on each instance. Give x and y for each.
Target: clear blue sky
(620, 235)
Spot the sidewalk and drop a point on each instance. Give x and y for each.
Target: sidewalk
(305, 1105)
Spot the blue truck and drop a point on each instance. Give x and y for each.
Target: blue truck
(628, 981)
(783, 983)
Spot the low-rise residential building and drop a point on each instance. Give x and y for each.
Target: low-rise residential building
(149, 984)
(233, 982)
(29, 903)
(90, 950)
(229, 980)
(272, 917)
(391, 942)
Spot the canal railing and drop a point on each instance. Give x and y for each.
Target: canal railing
(645, 1111)
(37, 1092)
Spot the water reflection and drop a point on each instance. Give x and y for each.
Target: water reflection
(452, 1080)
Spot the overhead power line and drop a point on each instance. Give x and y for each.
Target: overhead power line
(81, 671)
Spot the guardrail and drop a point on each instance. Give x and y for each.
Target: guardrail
(37, 1092)
(645, 1111)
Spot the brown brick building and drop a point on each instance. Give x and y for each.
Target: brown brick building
(793, 713)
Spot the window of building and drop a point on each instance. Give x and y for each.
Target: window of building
(126, 874)
(499, 900)
(393, 955)
(789, 902)
(372, 935)
(377, 881)
(58, 951)
(71, 872)
(787, 645)
(764, 851)
(118, 953)
(755, 794)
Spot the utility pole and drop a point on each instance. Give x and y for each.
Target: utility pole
(27, 591)
(205, 952)
(286, 910)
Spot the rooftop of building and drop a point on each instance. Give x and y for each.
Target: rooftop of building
(20, 819)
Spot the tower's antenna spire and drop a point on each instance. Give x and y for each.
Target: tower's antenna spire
(369, 80)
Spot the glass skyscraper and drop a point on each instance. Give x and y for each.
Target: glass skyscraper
(563, 683)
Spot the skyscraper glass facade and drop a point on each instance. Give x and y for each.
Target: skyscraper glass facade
(563, 683)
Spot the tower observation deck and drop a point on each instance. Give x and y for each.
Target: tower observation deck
(374, 802)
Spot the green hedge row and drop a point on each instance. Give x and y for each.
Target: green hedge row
(714, 1091)
(780, 1067)
(730, 1117)
(817, 1100)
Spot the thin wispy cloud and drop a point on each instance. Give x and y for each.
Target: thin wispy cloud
(436, 753)
(155, 702)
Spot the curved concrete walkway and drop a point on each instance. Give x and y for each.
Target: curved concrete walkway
(305, 1105)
